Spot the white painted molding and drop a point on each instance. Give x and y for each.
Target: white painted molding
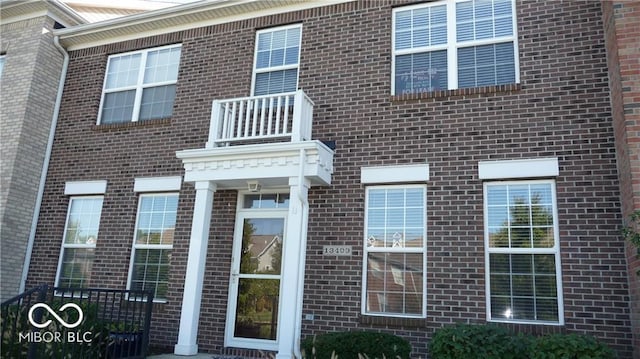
(395, 174)
(157, 184)
(271, 164)
(85, 187)
(526, 168)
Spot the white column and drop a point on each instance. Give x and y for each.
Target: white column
(293, 254)
(194, 277)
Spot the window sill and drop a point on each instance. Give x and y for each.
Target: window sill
(497, 89)
(127, 125)
(393, 321)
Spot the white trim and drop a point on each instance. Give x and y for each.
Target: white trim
(272, 164)
(522, 168)
(235, 275)
(395, 174)
(157, 184)
(555, 250)
(85, 187)
(178, 18)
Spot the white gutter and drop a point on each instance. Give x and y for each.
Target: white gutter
(45, 165)
(301, 263)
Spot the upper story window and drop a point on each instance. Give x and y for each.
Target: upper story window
(277, 60)
(140, 85)
(450, 44)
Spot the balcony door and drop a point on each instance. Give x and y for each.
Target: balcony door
(256, 272)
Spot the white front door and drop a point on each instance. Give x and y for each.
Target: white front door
(256, 271)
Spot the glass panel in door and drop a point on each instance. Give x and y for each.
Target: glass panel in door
(258, 278)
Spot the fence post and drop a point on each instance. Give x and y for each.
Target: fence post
(32, 353)
(297, 128)
(147, 324)
(215, 128)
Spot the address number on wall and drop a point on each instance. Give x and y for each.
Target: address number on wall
(336, 250)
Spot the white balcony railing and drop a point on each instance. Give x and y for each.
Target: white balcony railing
(285, 116)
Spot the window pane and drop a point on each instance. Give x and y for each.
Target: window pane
(518, 282)
(483, 19)
(421, 72)
(83, 221)
(420, 27)
(394, 283)
(162, 65)
(486, 65)
(276, 82)
(150, 271)
(123, 71)
(118, 107)
(77, 264)
(157, 102)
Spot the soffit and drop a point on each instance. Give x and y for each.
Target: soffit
(177, 18)
(18, 10)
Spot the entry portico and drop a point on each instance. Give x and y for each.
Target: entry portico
(290, 167)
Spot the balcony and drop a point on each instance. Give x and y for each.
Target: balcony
(259, 119)
(263, 138)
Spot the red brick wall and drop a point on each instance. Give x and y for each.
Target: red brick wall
(622, 26)
(560, 109)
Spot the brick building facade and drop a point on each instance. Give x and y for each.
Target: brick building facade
(421, 181)
(31, 74)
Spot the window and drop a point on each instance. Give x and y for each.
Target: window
(454, 44)
(521, 237)
(394, 254)
(277, 58)
(152, 243)
(79, 242)
(2, 57)
(140, 85)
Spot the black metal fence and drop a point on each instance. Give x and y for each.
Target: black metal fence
(49, 322)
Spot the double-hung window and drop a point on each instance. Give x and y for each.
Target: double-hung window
(277, 58)
(79, 242)
(454, 44)
(394, 251)
(140, 85)
(153, 242)
(522, 252)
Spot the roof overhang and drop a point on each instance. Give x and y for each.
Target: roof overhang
(20, 10)
(178, 18)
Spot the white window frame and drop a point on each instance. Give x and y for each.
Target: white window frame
(139, 86)
(2, 61)
(452, 44)
(64, 246)
(422, 250)
(555, 250)
(135, 246)
(257, 71)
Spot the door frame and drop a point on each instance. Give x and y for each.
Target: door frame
(241, 214)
